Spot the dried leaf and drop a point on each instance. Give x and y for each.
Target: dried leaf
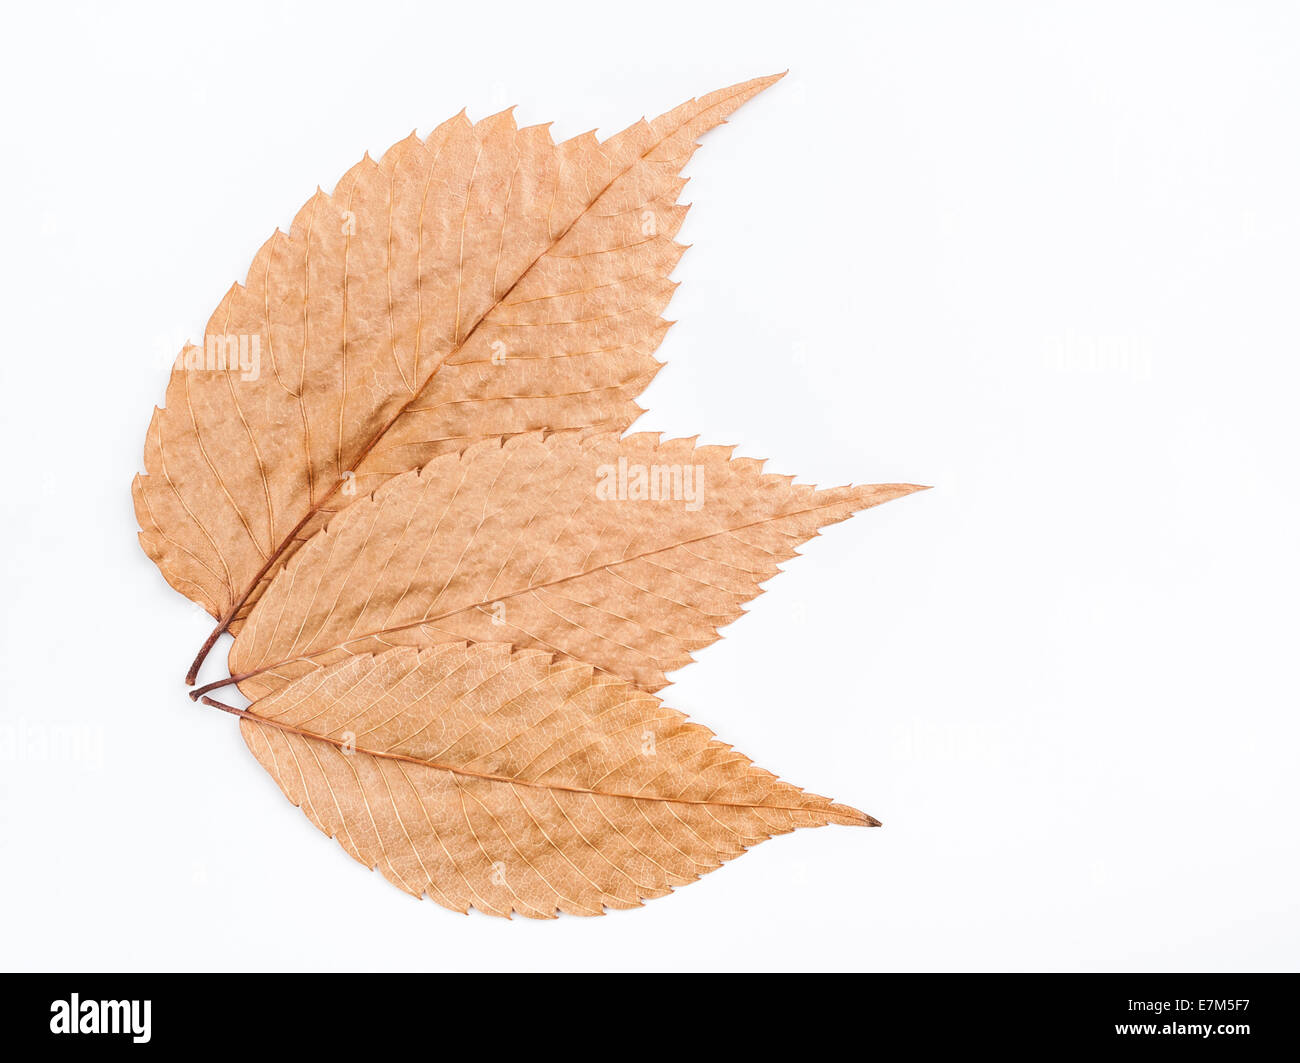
(395, 471)
(478, 283)
(530, 542)
(507, 782)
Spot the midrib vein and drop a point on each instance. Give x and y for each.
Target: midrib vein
(829, 811)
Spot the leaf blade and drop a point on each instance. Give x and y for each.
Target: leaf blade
(511, 781)
(514, 541)
(376, 316)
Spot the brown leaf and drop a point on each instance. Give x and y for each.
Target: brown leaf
(507, 782)
(478, 283)
(395, 471)
(522, 542)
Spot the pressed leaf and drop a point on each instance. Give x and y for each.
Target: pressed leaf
(481, 282)
(522, 542)
(394, 470)
(510, 782)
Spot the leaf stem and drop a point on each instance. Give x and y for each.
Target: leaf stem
(227, 708)
(200, 691)
(204, 650)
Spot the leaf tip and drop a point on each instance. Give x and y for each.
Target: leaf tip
(756, 85)
(852, 817)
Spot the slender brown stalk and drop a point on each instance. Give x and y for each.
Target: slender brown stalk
(229, 708)
(198, 692)
(193, 674)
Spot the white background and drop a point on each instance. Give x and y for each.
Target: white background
(1041, 256)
